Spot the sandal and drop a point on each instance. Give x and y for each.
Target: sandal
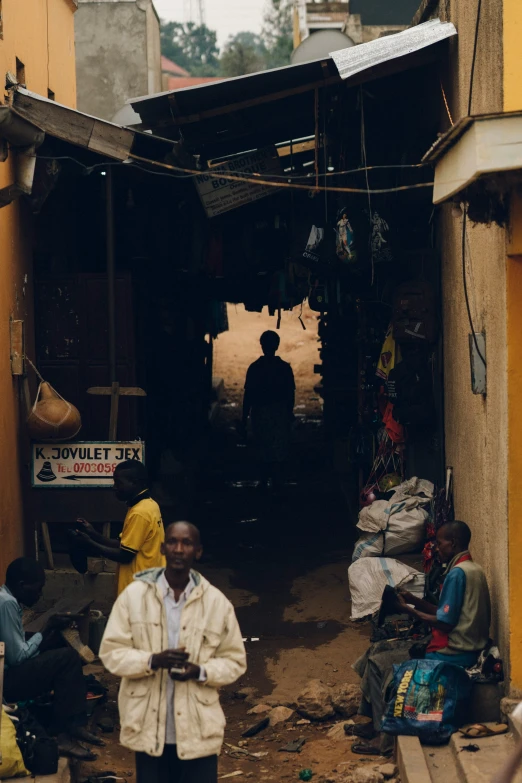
(480, 730)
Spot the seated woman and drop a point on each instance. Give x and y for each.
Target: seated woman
(459, 625)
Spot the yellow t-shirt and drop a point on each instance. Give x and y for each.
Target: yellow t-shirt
(143, 534)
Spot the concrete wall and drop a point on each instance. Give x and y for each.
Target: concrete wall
(476, 427)
(42, 37)
(513, 102)
(117, 54)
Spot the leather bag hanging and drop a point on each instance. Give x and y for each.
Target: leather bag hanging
(52, 417)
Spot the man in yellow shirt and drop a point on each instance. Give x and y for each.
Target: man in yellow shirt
(139, 546)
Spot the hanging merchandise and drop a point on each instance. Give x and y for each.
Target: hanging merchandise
(390, 355)
(380, 250)
(414, 313)
(345, 238)
(394, 429)
(409, 389)
(389, 459)
(318, 297)
(311, 253)
(52, 417)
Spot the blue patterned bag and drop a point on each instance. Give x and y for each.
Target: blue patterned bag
(425, 700)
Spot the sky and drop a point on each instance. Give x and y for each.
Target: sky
(227, 17)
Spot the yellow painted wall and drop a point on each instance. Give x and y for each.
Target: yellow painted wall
(512, 55)
(40, 33)
(513, 101)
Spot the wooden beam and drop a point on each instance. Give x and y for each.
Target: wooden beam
(72, 126)
(125, 391)
(295, 149)
(261, 100)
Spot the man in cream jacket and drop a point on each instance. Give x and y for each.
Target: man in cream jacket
(174, 640)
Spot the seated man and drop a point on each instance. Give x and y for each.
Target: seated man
(139, 546)
(459, 627)
(30, 672)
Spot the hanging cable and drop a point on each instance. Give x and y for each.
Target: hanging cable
(474, 59)
(466, 296)
(365, 163)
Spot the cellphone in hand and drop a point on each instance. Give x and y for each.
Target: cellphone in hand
(177, 670)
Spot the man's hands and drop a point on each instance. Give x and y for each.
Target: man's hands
(170, 659)
(192, 672)
(85, 527)
(176, 659)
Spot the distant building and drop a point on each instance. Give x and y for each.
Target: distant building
(174, 77)
(118, 54)
(359, 20)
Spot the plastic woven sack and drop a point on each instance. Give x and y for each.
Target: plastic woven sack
(425, 700)
(12, 765)
(368, 578)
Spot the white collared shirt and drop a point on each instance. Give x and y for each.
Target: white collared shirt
(173, 610)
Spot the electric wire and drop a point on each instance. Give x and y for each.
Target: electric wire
(466, 295)
(465, 215)
(285, 177)
(190, 173)
(474, 59)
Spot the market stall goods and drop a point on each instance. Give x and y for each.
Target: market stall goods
(52, 417)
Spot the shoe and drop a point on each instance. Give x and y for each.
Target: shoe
(84, 735)
(367, 749)
(362, 730)
(70, 749)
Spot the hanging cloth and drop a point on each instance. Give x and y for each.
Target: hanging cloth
(390, 355)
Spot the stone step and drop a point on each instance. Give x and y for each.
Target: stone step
(441, 764)
(481, 766)
(453, 763)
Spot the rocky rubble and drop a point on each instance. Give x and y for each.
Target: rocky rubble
(320, 702)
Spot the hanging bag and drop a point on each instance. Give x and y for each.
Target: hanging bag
(52, 417)
(414, 313)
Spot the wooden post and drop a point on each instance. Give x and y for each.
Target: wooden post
(47, 545)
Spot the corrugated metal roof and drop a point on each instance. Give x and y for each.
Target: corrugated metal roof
(392, 47)
(263, 108)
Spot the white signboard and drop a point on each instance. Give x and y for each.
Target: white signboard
(81, 464)
(220, 195)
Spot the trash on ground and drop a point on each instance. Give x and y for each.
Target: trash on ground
(235, 774)
(256, 728)
(306, 774)
(471, 748)
(294, 747)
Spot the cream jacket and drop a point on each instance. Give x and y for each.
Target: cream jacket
(137, 627)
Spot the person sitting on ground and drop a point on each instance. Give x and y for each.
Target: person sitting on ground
(32, 669)
(269, 400)
(459, 626)
(174, 640)
(139, 546)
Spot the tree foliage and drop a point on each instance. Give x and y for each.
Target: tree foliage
(243, 53)
(193, 47)
(277, 33)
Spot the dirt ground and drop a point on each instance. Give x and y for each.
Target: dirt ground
(236, 349)
(283, 564)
